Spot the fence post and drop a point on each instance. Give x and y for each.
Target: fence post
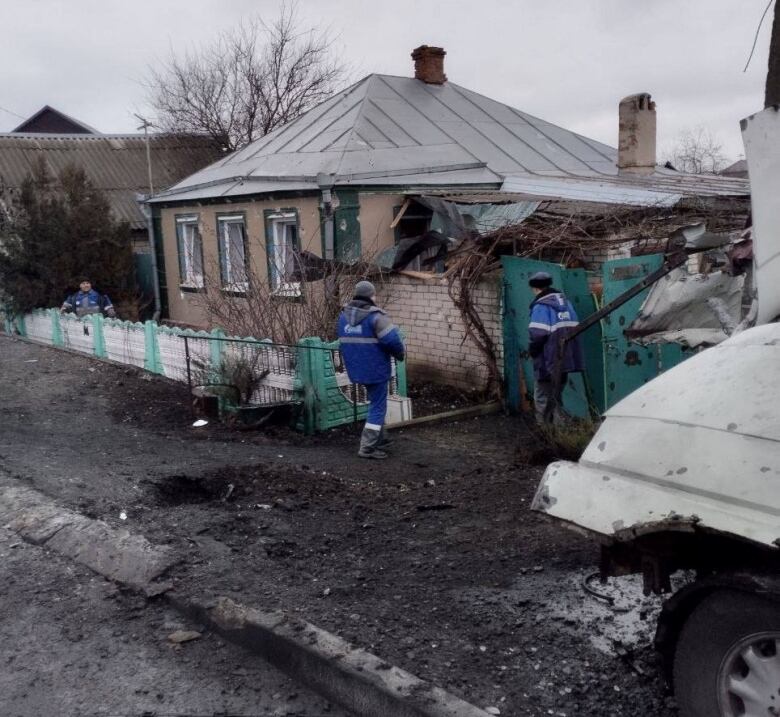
(56, 328)
(400, 377)
(306, 372)
(21, 326)
(317, 364)
(215, 359)
(151, 348)
(99, 340)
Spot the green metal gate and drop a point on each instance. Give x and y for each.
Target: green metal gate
(628, 365)
(518, 367)
(614, 366)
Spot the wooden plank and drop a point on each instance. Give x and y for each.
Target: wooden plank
(483, 409)
(426, 275)
(401, 213)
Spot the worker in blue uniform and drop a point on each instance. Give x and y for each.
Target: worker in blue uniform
(368, 341)
(87, 301)
(552, 318)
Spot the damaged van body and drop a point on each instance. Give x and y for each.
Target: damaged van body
(684, 474)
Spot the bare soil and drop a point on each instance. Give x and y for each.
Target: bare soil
(431, 398)
(431, 559)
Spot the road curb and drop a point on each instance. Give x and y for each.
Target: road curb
(348, 676)
(115, 554)
(355, 679)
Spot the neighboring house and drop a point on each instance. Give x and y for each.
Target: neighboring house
(341, 181)
(115, 163)
(738, 169)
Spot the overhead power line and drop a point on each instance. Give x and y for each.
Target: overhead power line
(758, 29)
(15, 114)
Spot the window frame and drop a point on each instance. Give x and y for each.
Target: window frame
(274, 219)
(224, 220)
(189, 280)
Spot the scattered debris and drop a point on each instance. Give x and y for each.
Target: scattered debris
(199, 423)
(183, 636)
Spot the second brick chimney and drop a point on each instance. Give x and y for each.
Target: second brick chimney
(636, 134)
(429, 64)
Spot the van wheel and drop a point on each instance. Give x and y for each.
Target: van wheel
(727, 661)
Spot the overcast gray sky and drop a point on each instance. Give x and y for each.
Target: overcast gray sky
(567, 61)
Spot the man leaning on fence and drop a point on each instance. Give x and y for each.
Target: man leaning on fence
(552, 319)
(87, 301)
(368, 340)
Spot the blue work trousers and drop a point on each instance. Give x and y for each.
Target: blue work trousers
(377, 407)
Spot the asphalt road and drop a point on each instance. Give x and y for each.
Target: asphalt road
(72, 644)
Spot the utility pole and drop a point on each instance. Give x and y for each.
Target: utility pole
(145, 125)
(772, 93)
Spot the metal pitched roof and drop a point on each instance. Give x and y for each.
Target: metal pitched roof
(399, 131)
(48, 109)
(114, 163)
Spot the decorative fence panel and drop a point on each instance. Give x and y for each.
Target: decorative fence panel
(38, 326)
(311, 372)
(77, 334)
(125, 342)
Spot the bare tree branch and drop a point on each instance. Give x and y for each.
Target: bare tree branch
(697, 151)
(251, 80)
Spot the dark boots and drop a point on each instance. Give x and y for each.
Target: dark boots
(370, 444)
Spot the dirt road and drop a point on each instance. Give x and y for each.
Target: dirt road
(72, 644)
(431, 559)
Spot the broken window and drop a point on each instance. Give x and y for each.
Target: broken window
(190, 247)
(414, 222)
(282, 247)
(231, 233)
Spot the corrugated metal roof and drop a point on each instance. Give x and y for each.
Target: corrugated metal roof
(398, 131)
(115, 163)
(663, 188)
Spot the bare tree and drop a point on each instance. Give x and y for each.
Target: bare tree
(697, 151)
(305, 304)
(252, 79)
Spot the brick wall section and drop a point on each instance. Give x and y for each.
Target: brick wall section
(437, 347)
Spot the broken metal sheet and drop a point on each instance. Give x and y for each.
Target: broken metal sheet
(688, 338)
(485, 218)
(446, 217)
(761, 136)
(462, 220)
(676, 309)
(407, 250)
(700, 445)
(696, 238)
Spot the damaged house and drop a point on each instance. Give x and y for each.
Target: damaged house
(439, 185)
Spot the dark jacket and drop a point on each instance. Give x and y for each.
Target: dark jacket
(553, 317)
(368, 339)
(92, 302)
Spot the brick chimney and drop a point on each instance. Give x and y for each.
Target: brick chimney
(636, 134)
(429, 64)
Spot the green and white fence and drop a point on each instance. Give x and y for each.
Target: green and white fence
(311, 372)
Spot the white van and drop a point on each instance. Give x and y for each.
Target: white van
(685, 474)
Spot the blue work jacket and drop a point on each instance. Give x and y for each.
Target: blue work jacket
(91, 302)
(553, 317)
(368, 339)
